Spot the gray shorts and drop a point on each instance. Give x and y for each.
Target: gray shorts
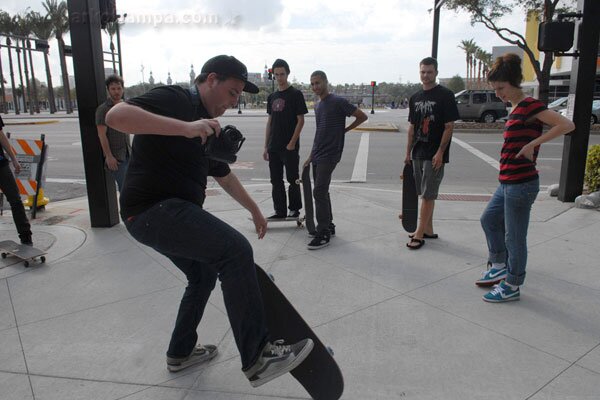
(427, 179)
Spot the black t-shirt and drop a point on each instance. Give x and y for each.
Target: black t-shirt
(284, 108)
(163, 167)
(3, 159)
(429, 110)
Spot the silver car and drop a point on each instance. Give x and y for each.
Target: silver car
(595, 112)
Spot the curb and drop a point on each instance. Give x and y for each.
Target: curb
(54, 121)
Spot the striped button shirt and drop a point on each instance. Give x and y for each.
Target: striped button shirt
(521, 128)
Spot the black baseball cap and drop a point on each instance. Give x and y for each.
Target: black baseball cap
(231, 67)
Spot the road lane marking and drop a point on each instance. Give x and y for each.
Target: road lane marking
(359, 173)
(494, 163)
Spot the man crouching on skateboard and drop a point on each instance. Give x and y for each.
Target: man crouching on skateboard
(161, 205)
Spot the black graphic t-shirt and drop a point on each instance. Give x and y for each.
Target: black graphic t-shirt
(284, 107)
(429, 110)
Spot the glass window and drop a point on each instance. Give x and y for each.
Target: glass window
(495, 98)
(463, 99)
(479, 98)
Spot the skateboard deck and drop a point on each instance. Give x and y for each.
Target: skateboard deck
(26, 253)
(309, 218)
(410, 200)
(319, 374)
(298, 220)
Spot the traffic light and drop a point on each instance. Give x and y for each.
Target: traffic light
(270, 74)
(373, 83)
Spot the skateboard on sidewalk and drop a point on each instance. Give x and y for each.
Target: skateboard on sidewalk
(410, 200)
(26, 253)
(309, 218)
(319, 374)
(298, 220)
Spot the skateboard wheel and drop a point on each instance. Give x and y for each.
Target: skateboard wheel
(298, 224)
(3, 255)
(330, 350)
(271, 277)
(43, 259)
(26, 263)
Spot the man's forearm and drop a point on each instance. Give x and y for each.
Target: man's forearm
(104, 140)
(236, 190)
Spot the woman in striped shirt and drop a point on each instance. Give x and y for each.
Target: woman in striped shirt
(506, 218)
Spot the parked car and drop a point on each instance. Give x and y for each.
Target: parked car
(595, 112)
(480, 105)
(558, 104)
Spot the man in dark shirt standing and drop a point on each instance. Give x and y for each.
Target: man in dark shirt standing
(161, 205)
(286, 108)
(115, 144)
(326, 153)
(431, 116)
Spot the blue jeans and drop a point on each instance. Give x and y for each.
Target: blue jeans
(205, 248)
(119, 174)
(505, 222)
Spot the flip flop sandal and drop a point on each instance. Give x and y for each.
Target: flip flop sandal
(420, 244)
(425, 236)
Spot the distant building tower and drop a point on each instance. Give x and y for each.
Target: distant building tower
(151, 79)
(192, 76)
(265, 75)
(169, 80)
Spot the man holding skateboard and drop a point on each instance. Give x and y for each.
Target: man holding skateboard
(330, 113)
(161, 205)
(286, 108)
(432, 112)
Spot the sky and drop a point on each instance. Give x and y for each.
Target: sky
(353, 41)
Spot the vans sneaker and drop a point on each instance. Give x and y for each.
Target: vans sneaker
(331, 231)
(320, 241)
(277, 359)
(492, 276)
(502, 293)
(200, 354)
(294, 214)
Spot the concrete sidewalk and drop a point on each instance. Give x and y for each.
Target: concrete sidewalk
(94, 322)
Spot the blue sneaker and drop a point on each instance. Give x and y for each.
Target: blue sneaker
(502, 293)
(492, 276)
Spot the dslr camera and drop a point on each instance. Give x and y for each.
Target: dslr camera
(225, 146)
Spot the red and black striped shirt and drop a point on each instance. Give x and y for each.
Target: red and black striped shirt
(521, 128)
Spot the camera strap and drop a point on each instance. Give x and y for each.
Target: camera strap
(195, 100)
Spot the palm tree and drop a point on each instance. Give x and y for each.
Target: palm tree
(487, 63)
(57, 13)
(15, 31)
(469, 48)
(5, 26)
(23, 29)
(479, 56)
(112, 28)
(41, 26)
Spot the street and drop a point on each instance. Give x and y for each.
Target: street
(376, 164)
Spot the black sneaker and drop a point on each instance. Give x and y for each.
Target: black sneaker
(276, 216)
(320, 241)
(294, 214)
(331, 231)
(26, 240)
(199, 355)
(277, 359)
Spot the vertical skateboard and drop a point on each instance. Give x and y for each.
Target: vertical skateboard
(25, 253)
(319, 374)
(410, 200)
(309, 218)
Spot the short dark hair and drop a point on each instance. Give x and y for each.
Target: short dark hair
(507, 68)
(114, 79)
(320, 74)
(279, 63)
(429, 61)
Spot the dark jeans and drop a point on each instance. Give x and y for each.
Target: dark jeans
(277, 161)
(11, 191)
(205, 248)
(322, 176)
